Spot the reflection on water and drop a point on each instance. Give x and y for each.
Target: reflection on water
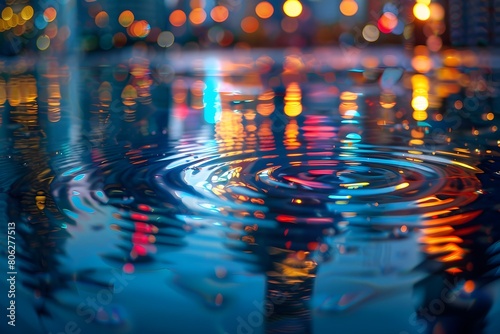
(254, 194)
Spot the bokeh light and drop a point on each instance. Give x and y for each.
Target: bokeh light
(102, 19)
(139, 29)
(348, 7)
(293, 100)
(43, 42)
(197, 3)
(51, 30)
(264, 10)
(436, 11)
(387, 22)
(420, 115)
(371, 33)
(292, 8)
(119, 40)
(27, 13)
(177, 18)
(126, 18)
(7, 13)
(299, 86)
(420, 103)
(197, 24)
(165, 39)
(421, 11)
(249, 24)
(289, 24)
(197, 16)
(434, 43)
(422, 63)
(50, 14)
(219, 13)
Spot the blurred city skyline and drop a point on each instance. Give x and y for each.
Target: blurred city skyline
(93, 25)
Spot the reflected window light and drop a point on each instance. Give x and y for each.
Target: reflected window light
(211, 101)
(348, 96)
(293, 100)
(129, 95)
(3, 92)
(422, 63)
(13, 92)
(266, 103)
(420, 103)
(291, 135)
(420, 115)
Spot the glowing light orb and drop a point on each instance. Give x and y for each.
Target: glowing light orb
(249, 24)
(292, 8)
(371, 33)
(348, 7)
(387, 22)
(264, 10)
(177, 18)
(197, 16)
(126, 18)
(421, 11)
(420, 103)
(219, 13)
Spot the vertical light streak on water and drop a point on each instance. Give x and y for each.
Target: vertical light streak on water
(68, 17)
(66, 129)
(211, 97)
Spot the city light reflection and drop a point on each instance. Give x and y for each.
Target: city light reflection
(289, 166)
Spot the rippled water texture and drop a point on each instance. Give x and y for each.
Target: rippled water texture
(252, 193)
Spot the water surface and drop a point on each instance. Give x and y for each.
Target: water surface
(294, 192)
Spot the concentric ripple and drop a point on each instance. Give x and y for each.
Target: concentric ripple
(365, 183)
(326, 179)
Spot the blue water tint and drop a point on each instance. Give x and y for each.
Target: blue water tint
(72, 171)
(70, 214)
(79, 177)
(78, 203)
(194, 210)
(40, 21)
(211, 100)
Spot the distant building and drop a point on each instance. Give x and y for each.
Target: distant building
(474, 23)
